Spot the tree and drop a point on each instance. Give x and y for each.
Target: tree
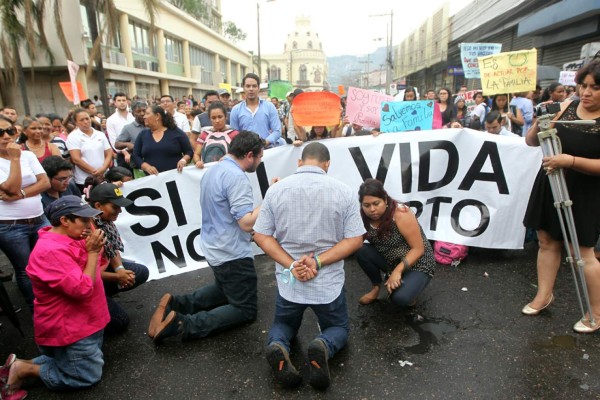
(196, 8)
(231, 31)
(30, 27)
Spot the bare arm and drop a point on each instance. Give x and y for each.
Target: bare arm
(12, 185)
(341, 250)
(246, 223)
(77, 160)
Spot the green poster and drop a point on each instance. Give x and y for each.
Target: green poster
(279, 89)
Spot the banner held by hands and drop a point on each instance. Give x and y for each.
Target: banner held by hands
(316, 109)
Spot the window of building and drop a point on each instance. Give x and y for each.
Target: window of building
(223, 67)
(205, 59)
(309, 44)
(173, 50)
(141, 40)
(100, 22)
(294, 46)
(302, 70)
(307, 33)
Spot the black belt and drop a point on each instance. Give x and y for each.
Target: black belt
(25, 221)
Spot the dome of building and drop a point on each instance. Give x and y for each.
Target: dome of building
(303, 37)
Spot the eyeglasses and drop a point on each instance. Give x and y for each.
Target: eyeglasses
(65, 179)
(10, 131)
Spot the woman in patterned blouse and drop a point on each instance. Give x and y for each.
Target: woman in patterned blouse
(397, 246)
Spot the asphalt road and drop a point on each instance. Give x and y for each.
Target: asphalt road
(458, 343)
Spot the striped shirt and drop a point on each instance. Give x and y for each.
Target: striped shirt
(310, 212)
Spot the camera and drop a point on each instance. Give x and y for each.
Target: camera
(546, 108)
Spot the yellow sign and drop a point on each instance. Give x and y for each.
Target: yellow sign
(510, 72)
(225, 86)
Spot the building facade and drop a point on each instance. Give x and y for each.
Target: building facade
(303, 61)
(180, 57)
(563, 32)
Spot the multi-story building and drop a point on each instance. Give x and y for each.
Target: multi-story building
(303, 61)
(181, 56)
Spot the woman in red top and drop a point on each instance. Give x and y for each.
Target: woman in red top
(31, 139)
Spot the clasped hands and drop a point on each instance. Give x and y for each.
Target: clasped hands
(305, 268)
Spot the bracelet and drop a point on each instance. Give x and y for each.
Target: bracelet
(573, 163)
(117, 268)
(291, 267)
(23, 193)
(318, 261)
(406, 264)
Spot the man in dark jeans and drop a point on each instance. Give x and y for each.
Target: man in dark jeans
(228, 216)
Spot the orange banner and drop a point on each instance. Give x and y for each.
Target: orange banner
(316, 109)
(341, 90)
(67, 90)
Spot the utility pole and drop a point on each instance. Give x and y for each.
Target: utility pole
(258, 34)
(389, 59)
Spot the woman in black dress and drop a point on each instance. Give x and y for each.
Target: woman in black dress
(580, 161)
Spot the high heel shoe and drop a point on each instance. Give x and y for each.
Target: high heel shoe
(580, 327)
(528, 310)
(5, 369)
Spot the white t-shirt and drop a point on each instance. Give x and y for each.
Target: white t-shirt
(182, 121)
(92, 150)
(479, 111)
(29, 207)
(114, 125)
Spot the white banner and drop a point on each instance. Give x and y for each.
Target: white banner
(73, 69)
(466, 186)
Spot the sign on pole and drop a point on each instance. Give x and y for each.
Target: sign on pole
(510, 72)
(469, 52)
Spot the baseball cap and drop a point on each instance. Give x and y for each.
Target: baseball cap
(223, 92)
(70, 205)
(108, 192)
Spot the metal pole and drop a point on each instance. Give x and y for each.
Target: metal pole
(388, 72)
(258, 32)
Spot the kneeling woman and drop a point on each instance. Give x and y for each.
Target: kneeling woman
(397, 246)
(118, 274)
(70, 310)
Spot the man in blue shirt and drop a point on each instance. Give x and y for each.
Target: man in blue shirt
(228, 216)
(257, 115)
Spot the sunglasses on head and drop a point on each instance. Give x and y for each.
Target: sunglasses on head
(10, 131)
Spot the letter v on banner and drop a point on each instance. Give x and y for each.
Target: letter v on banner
(73, 69)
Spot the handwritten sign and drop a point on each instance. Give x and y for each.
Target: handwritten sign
(470, 100)
(279, 89)
(363, 106)
(469, 52)
(316, 109)
(510, 72)
(567, 78)
(407, 116)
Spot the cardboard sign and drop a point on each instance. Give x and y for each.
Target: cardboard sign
(469, 52)
(567, 78)
(407, 116)
(363, 106)
(510, 72)
(316, 109)
(67, 90)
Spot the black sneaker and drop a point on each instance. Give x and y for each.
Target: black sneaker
(319, 368)
(283, 369)
(171, 326)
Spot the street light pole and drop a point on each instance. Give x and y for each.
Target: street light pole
(389, 61)
(258, 34)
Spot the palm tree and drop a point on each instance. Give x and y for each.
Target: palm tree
(14, 29)
(30, 26)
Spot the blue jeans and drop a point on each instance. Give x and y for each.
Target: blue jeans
(17, 241)
(373, 263)
(75, 366)
(333, 321)
(119, 320)
(230, 301)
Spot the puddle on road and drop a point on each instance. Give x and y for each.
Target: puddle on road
(430, 331)
(563, 342)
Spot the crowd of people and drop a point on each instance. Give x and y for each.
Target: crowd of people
(60, 196)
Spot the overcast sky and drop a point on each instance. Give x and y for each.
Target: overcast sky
(344, 26)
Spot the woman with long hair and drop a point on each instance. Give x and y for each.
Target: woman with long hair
(218, 134)
(397, 246)
(446, 107)
(162, 146)
(555, 93)
(512, 118)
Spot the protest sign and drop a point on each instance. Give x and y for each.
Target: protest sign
(469, 53)
(341, 90)
(279, 89)
(437, 117)
(225, 86)
(316, 109)
(407, 116)
(510, 72)
(363, 106)
(567, 78)
(466, 187)
(470, 100)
